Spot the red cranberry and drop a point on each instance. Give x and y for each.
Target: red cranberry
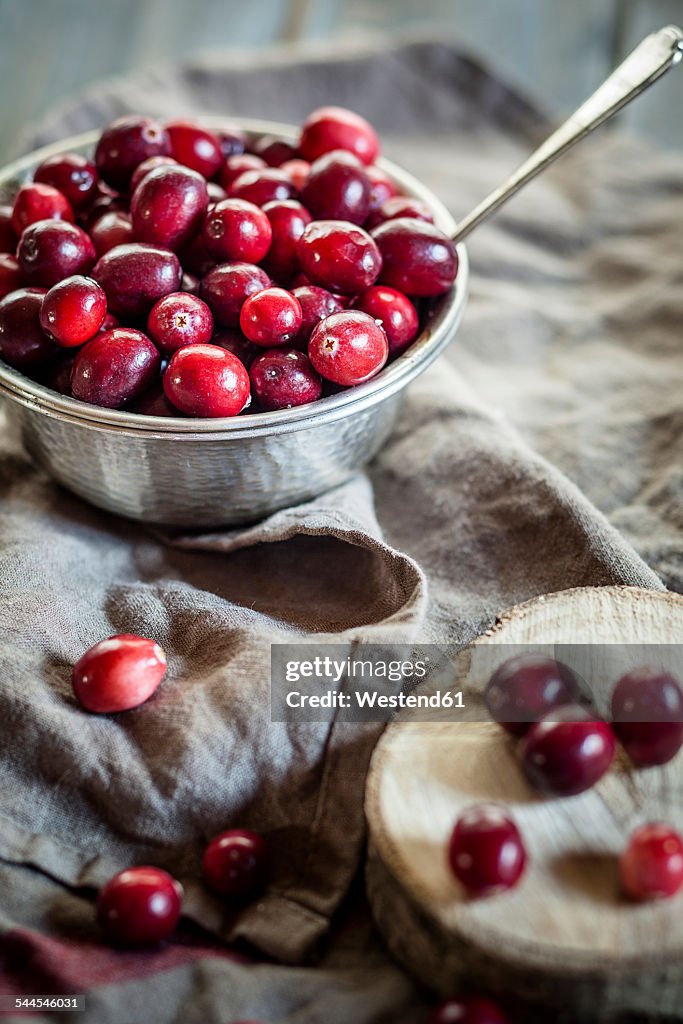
(134, 276)
(486, 851)
(34, 202)
(179, 319)
(651, 866)
(195, 147)
(72, 175)
(23, 343)
(348, 348)
(381, 186)
(140, 906)
(115, 367)
(73, 311)
(288, 220)
(339, 256)
(237, 230)
(567, 752)
(527, 687)
(235, 342)
(235, 864)
(154, 403)
(8, 236)
(236, 165)
(216, 193)
(273, 151)
(110, 230)
(647, 708)
(124, 144)
(152, 163)
(468, 1010)
(271, 317)
(338, 188)
(394, 311)
(316, 304)
(417, 258)
(118, 673)
(168, 206)
(261, 187)
(11, 276)
(298, 171)
(50, 250)
(400, 206)
(232, 140)
(282, 378)
(206, 380)
(331, 128)
(226, 288)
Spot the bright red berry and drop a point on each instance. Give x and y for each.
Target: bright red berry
(468, 1010)
(140, 906)
(567, 752)
(124, 144)
(179, 319)
(339, 256)
(119, 673)
(329, 128)
(271, 317)
(651, 866)
(35, 202)
(348, 348)
(237, 230)
(207, 381)
(73, 311)
(394, 311)
(195, 147)
(486, 851)
(72, 175)
(235, 864)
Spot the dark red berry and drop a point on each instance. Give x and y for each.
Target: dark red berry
(115, 367)
(226, 288)
(331, 128)
(134, 276)
(394, 311)
(111, 229)
(274, 151)
(235, 864)
(58, 376)
(348, 348)
(261, 187)
(339, 256)
(11, 276)
(140, 906)
(118, 673)
(152, 163)
(207, 381)
(236, 165)
(168, 207)
(316, 303)
(23, 343)
(110, 322)
(651, 866)
(288, 219)
(567, 752)
(237, 230)
(124, 144)
(381, 186)
(417, 258)
(102, 205)
(271, 317)
(400, 206)
(338, 188)
(195, 147)
(527, 687)
(35, 202)
(235, 342)
(282, 378)
(486, 852)
(179, 319)
(232, 140)
(468, 1010)
(73, 176)
(50, 250)
(647, 709)
(8, 236)
(298, 171)
(195, 258)
(73, 311)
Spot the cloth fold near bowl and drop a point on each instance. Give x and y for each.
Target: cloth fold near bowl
(542, 453)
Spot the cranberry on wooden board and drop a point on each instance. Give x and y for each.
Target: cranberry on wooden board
(486, 852)
(394, 311)
(8, 236)
(527, 687)
(316, 303)
(647, 709)
(118, 673)
(135, 275)
(651, 866)
(339, 256)
(195, 147)
(329, 128)
(288, 220)
(338, 188)
(150, 164)
(179, 319)
(237, 230)
(236, 165)
(417, 258)
(468, 1010)
(11, 276)
(73, 311)
(348, 348)
(207, 381)
(400, 206)
(124, 144)
(235, 864)
(72, 174)
(111, 229)
(50, 250)
(23, 343)
(282, 378)
(261, 187)
(168, 206)
(140, 906)
(115, 367)
(35, 202)
(271, 317)
(227, 287)
(567, 752)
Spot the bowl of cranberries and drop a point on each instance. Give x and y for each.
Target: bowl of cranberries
(202, 322)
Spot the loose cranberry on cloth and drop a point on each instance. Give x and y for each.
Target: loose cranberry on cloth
(512, 472)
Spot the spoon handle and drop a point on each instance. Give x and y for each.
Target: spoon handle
(655, 55)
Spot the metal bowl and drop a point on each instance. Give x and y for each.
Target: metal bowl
(219, 472)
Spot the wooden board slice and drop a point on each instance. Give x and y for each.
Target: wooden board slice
(565, 938)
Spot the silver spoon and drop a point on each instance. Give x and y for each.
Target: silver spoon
(655, 55)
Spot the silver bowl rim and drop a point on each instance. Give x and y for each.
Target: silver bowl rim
(14, 385)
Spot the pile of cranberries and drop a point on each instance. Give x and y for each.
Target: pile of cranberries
(190, 272)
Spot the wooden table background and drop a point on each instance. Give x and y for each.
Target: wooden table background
(557, 51)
